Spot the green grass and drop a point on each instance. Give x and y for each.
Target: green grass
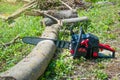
(102, 18)
(8, 8)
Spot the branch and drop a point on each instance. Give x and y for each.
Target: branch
(49, 16)
(66, 5)
(11, 42)
(49, 22)
(19, 11)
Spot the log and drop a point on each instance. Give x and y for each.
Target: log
(48, 21)
(34, 65)
(59, 14)
(73, 20)
(63, 14)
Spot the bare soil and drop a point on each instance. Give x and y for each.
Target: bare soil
(113, 68)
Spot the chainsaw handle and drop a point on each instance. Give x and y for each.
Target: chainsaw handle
(107, 47)
(78, 42)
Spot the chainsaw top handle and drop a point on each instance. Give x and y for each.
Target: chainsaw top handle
(78, 43)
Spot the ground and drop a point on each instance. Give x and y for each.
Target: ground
(113, 68)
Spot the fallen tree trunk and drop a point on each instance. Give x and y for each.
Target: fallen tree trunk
(34, 65)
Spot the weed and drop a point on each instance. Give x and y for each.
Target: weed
(100, 75)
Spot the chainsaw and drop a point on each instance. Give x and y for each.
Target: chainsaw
(81, 45)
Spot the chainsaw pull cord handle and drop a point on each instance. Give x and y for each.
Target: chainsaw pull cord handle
(107, 47)
(78, 42)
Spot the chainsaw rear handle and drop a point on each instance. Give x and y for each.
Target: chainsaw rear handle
(107, 47)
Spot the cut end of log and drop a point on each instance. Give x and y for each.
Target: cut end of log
(74, 20)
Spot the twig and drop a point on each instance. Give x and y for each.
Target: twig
(59, 22)
(11, 42)
(66, 5)
(19, 11)
(49, 16)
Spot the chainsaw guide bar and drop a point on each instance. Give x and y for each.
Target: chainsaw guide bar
(36, 40)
